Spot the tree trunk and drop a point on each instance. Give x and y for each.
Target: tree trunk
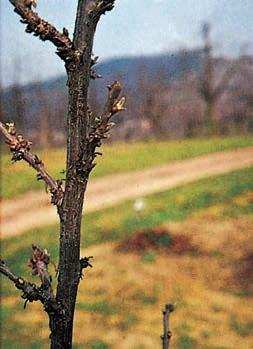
(84, 135)
(209, 117)
(45, 137)
(76, 180)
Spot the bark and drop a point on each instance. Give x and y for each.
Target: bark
(77, 174)
(84, 134)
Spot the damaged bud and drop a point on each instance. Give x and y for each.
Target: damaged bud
(11, 129)
(85, 263)
(39, 255)
(94, 60)
(30, 3)
(119, 106)
(104, 6)
(94, 75)
(39, 264)
(65, 32)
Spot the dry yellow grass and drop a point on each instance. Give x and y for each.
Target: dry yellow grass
(198, 284)
(120, 300)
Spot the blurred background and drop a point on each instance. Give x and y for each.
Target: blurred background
(178, 63)
(187, 72)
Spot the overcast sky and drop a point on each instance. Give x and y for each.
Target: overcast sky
(134, 27)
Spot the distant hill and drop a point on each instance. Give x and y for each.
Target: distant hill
(129, 70)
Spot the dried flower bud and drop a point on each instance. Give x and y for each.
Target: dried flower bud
(11, 129)
(120, 105)
(31, 3)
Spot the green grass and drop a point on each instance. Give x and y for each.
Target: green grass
(116, 223)
(242, 329)
(186, 342)
(119, 222)
(19, 178)
(102, 307)
(148, 257)
(17, 335)
(97, 344)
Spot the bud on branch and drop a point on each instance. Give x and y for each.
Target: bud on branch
(20, 148)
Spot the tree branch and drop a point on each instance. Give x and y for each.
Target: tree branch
(47, 32)
(89, 11)
(169, 308)
(39, 265)
(20, 149)
(223, 83)
(33, 293)
(112, 106)
(101, 126)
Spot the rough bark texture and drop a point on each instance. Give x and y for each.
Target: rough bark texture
(77, 173)
(85, 134)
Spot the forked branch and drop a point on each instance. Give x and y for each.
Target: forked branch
(44, 293)
(20, 148)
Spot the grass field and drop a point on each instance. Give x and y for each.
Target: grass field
(18, 178)
(120, 300)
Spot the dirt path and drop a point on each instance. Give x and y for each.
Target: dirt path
(34, 210)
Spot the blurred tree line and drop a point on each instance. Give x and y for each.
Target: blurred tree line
(214, 99)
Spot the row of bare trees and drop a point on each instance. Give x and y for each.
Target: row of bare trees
(215, 98)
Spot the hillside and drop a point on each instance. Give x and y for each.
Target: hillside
(127, 69)
(163, 99)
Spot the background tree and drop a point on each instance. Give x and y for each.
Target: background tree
(84, 134)
(17, 99)
(243, 96)
(44, 117)
(152, 107)
(211, 91)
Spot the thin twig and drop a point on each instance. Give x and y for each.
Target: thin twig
(169, 308)
(112, 106)
(20, 149)
(101, 126)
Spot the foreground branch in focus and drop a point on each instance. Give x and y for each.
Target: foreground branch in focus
(46, 31)
(20, 148)
(44, 293)
(84, 134)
